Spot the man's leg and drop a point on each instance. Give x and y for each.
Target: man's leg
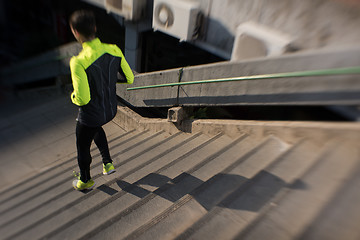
(102, 143)
(84, 137)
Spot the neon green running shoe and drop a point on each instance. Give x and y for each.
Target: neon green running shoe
(80, 185)
(108, 169)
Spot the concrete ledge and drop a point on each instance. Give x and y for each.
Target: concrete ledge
(286, 130)
(128, 119)
(319, 90)
(290, 131)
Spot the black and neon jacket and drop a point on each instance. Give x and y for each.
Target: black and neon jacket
(94, 74)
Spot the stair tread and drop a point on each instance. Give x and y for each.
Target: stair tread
(40, 194)
(216, 188)
(52, 171)
(69, 195)
(246, 203)
(307, 195)
(188, 186)
(121, 198)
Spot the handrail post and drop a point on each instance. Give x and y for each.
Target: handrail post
(181, 71)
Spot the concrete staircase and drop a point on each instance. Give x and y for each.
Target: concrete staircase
(196, 186)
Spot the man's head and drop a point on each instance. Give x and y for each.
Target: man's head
(83, 25)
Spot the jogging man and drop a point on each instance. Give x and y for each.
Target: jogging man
(94, 74)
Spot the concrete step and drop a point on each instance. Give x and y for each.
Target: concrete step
(48, 186)
(340, 217)
(216, 184)
(131, 152)
(292, 216)
(65, 164)
(264, 183)
(248, 202)
(55, 199)
(37, 197)
(127, 194)
(33, 136)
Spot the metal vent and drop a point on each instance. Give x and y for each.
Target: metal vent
(164, 15)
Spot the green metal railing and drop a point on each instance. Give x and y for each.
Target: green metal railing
(312, 73)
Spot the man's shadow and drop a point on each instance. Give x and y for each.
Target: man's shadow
(224, 190)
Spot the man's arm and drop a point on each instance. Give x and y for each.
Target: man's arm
(125, 71)
(81, 94)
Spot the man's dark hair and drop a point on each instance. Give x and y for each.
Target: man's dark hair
(83, 21)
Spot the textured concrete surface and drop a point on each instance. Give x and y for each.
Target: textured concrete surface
(218, 180)
(306, 21)
(35, 134)
(320, 90)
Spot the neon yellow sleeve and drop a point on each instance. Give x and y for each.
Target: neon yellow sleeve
(127, 71)
(124, 65)
(81, 94)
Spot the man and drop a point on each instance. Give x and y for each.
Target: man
(94, 74)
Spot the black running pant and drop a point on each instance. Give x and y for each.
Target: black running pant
(84, 137)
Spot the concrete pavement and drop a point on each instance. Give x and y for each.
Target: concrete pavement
(221, 180)
(36, 133)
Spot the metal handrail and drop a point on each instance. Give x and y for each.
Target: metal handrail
(312, 73)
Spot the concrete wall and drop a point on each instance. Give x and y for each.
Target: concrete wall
(312, 23)
(325, 90)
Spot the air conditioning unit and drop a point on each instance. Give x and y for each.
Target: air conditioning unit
(178, 18)
(255, 40)
(129, 9)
